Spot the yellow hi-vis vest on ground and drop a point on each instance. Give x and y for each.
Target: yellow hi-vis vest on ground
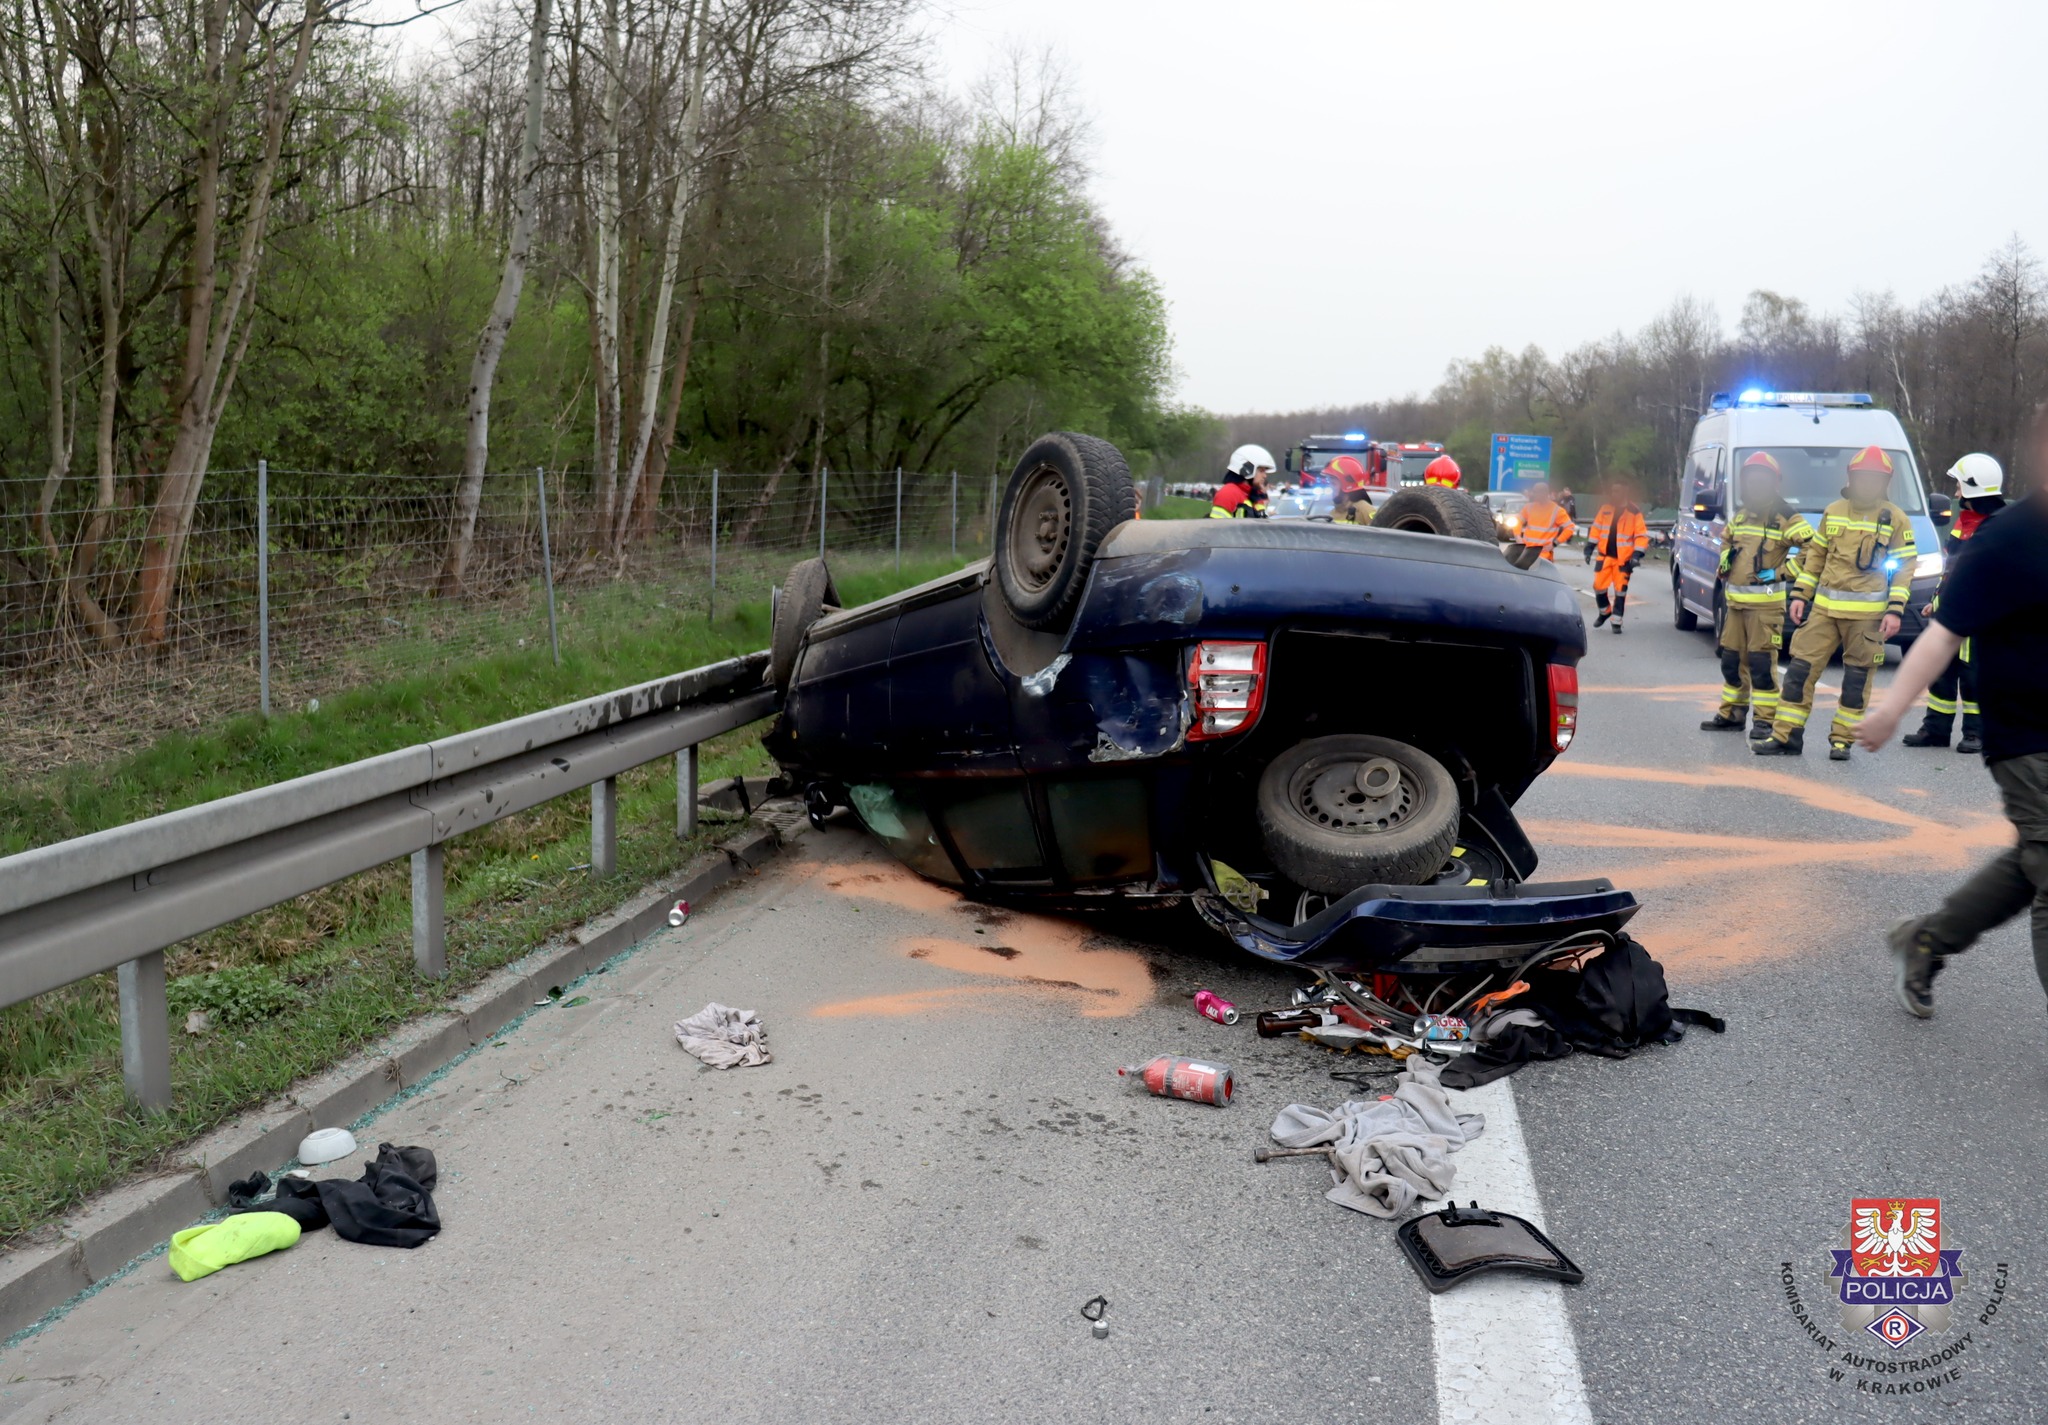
(1758, 554)
(1859, 563)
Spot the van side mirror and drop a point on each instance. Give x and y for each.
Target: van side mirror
(1940, 509)
(1706, 508)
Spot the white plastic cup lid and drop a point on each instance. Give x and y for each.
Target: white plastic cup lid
(324, 1145)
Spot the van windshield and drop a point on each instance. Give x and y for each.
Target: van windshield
(1815, 475)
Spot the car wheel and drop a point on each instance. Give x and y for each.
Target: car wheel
(805, 594)
(1432, 509)
(1063, 499)
(1682, 618)
(1337, 813)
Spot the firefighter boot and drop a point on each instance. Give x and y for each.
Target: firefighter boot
(1920, 960)
(1926, 735)
(1793, 746)
(1760, 728)
(1717, 723)
(1972, 742)
(1838, 751)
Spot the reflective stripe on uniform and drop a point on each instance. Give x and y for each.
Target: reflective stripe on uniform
(1945, 706)
(1793, 715)
(1756, 594)
(1852, 601)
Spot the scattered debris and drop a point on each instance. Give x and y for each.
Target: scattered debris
(1212, 1006)
(203, 1250)
(1457, 1243)
(678, 914)
(198, 1022)
(1389, 1153)
(1191, 1079)
(324, 1145)
(1096, 1311)
(724, 1037)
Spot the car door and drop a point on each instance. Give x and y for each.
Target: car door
(1705, 514)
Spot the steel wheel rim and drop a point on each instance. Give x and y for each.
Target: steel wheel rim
(1333, 793)
(1041, 529)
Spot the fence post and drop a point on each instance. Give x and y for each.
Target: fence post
(991, 526)
(899, 519)
(713, 614)
(824, 510)
(686, 793)
(429, 916)
(263, 581)
(604, 828)
(547, 562)
(953, 520)
(145, 1030)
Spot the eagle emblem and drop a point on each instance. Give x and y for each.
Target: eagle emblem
(1895, 1236)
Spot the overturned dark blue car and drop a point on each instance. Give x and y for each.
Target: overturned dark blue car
(1315, 734)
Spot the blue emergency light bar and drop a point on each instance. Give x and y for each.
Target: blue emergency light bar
(1755, 397)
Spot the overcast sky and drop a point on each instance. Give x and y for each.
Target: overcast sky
(1339, 198)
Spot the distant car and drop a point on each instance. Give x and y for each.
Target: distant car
(1812, 435)
(1303, 502)
(1315, 733)
(1506, 508)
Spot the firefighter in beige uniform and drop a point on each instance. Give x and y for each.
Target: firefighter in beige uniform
(1759, 561)
(1854, 576)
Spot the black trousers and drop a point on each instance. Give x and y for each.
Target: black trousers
(2015, 879)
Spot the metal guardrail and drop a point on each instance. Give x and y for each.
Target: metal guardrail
(117, 899)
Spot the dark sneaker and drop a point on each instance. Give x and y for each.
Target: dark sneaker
(1792, 746)
(1605, 614)
(1919, 963)
(1717, 723)
(1838, 752)
(1922, 737)
(1617, 623)
(1971, 745)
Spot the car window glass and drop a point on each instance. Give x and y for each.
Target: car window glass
(896, 818)
(1102, 827)
(992, 831)
(1814, 475)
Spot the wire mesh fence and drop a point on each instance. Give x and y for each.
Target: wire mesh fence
(290, 586)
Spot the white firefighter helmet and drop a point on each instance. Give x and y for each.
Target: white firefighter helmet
(1246, 460)
(1977, 475)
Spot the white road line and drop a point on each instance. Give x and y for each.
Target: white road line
(1505, 1353)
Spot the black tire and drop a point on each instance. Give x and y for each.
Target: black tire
(1682, 618)
(1432, 509)
(1065, 496)
(806, 593)
(1523, 556)
(1326, 832)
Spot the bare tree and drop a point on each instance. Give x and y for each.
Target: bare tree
(490, 345)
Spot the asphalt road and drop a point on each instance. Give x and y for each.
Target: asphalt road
(900, 1217)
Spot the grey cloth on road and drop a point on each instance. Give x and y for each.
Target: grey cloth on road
(1388, 1154)
(2015, 879)
(724, 1037)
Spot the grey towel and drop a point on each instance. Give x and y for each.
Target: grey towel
(1389, 1153)
(724, 1037)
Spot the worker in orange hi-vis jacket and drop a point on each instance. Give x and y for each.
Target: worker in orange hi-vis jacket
(1545, 525)
(1621, 538)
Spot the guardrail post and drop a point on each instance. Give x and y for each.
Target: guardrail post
(604, 828)
(953, 523)
(263, 581)
(145, 1030)
(899, 519)
(429, 913)
(547, 562)
(824, 510)
(713, 614)
(686, 793)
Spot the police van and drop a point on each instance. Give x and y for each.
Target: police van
(1813, 435)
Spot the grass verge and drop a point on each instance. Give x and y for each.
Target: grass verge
(290, 991)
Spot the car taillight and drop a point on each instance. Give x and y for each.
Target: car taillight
(1228, 681)
(1564, 704)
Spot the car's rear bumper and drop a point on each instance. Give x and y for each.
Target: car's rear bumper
(1428, 929)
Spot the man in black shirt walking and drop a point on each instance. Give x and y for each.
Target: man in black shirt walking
(1996, 595)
